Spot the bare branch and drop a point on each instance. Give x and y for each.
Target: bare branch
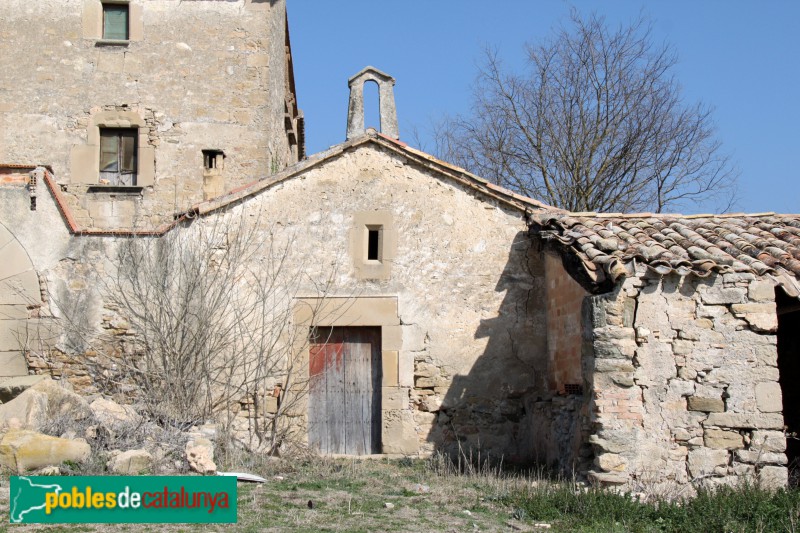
(596, 123)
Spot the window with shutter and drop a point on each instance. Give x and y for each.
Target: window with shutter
(115, 22)
(118, 154)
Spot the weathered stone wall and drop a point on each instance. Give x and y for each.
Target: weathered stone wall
(468, 348)
(685, 383)
(193, 76)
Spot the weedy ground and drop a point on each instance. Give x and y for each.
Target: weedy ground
(434, 495)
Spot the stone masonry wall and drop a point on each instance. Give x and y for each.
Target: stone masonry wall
(468, 348)
(197, 75)
(685, 383)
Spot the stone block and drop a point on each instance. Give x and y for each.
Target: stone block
(703, 462)
(270, 404)
(427, 383)
(753, 308)
(363, 311)
(611, 462)
(622, 379)
(707, 405)
(755, 457)
(414, 337)
(768, 397)
(678, 454)
(131, 463)
(26, 411)
(62, 402)
(613, 365)
(768, 441)
(399, 434)
(200, 455)
(390, 369)
(745, 420)
(13, 364)
(773, 477)
(24, 450)
(614, 349)
(723, 439)
(682, 347)
(680, 434)
(762, 317)
(392, 338)
(720, 296)
(761, 291)
(394, 398)
(405, 369)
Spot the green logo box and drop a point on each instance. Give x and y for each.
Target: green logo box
(122, 499)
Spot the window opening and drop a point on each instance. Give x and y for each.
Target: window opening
(118, 154)
(213, 159)
(374, 243)
(115, 22)
(372, 104)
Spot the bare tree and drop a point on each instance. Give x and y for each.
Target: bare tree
(211, 307)
(199, 325)
(596, 123)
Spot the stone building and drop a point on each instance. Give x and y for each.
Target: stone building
(143, 108)
(445, 313)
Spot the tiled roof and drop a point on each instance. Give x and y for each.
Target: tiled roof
(373, 138)
(764, 244)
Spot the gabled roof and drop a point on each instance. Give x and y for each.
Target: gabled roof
(481, 186)
(471, 181)
(607, 245)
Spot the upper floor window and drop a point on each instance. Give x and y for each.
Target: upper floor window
(115, 21)
(118, 155)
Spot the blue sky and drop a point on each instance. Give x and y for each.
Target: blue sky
(741, 57)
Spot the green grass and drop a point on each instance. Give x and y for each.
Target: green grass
(726, 510)
(350, 495)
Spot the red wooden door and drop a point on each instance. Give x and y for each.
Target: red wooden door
(344, 404)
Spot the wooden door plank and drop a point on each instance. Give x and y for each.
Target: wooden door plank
(358, 356)
(317, 393)
(335, 375)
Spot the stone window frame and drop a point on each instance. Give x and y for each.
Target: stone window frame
(85, 159)
(363, 223)
(119, 176)
(93, 21)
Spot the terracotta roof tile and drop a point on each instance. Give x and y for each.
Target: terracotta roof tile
(764, 244)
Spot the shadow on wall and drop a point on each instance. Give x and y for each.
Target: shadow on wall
(484, 414)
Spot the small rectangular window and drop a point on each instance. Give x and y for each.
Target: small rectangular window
(115, 22)
(118, 155)
(213, 159)
(374, 243)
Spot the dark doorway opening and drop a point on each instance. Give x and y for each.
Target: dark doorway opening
(788, 309)
(344, 395)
